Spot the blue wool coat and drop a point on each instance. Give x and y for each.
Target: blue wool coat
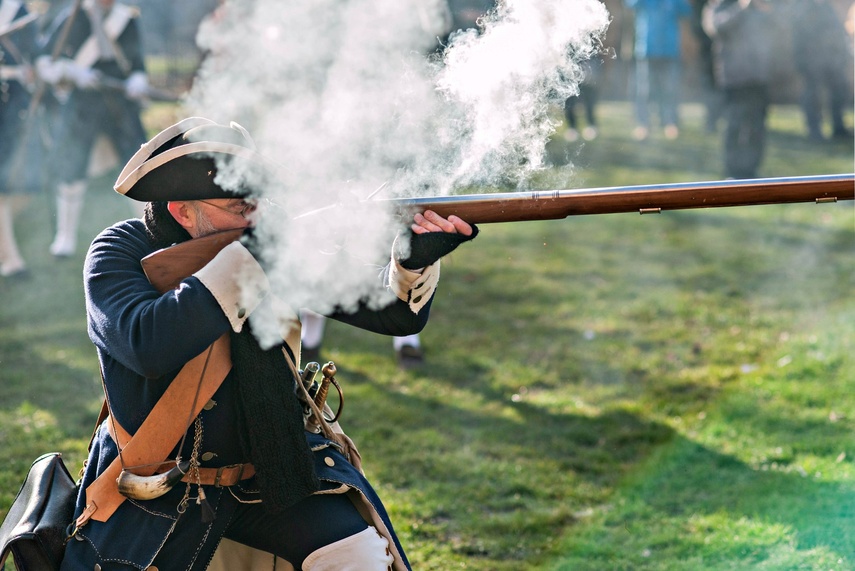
(143, 338)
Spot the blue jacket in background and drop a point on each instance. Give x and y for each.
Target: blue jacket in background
(657, 27)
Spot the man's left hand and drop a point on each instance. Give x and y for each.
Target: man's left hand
(433, 237)
(430, 221)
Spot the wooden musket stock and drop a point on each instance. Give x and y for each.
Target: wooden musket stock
(166, 268)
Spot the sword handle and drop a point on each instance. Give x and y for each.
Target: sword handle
(328, 372)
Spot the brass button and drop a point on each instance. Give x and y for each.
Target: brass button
(97, 567)
(152, 568)
(210, 404)
(208, 456)
(329, 461)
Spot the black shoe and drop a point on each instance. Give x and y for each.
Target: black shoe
(20, 274)
(409, 357)
(842, 134)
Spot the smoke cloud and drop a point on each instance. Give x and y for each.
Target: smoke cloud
(353, 99)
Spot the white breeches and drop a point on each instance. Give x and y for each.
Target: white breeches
(364, 551)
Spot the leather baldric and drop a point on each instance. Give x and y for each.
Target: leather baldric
(162, 429)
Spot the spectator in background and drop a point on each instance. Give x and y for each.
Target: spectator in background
(657, 62)
(18, 173)
(587, 97)
(711, 94)
(822, 57)
(743, 45)
(102, 62)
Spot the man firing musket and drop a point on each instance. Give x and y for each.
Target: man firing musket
(91, 47)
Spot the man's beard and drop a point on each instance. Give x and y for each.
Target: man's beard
(204, 226)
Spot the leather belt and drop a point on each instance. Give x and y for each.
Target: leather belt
(221, 477)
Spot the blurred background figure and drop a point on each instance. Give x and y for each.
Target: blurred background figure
(821, 53)
(712, 98)
(408, 349)
(657, 51)
(101, 73)
(587, 98)
(743, 33)
(19, 173)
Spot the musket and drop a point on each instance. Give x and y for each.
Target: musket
(36, 98)
(167, 267)
(151, 93)
(644, 199)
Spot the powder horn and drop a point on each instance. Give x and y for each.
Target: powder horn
(149, 487)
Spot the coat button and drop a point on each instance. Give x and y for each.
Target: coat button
(152, 568)
(208, 456)
(329, 461)
(210, 404)
(241, 313)
(97, 567)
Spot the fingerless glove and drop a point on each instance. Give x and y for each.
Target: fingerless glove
(426, 249)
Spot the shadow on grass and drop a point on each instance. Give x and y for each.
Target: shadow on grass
(709, 510)
(491, 476)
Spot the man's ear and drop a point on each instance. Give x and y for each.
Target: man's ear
(183, 213)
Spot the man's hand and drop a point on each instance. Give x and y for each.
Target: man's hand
(430, 221)
(432, 238)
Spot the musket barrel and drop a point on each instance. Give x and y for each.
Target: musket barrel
(558, 204)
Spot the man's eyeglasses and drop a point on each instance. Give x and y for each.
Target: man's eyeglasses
(240, 208)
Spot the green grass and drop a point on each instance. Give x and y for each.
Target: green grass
(622, 392)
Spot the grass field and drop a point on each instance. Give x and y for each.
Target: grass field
(614, 392)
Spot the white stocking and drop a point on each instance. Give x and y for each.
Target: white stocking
(312, 332)
(11, 261)
(69, 203)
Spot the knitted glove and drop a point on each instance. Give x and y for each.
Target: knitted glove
(426, 249)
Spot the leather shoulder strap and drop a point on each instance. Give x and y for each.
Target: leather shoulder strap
(162, 429)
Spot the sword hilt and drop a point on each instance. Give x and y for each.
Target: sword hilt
(328, 372)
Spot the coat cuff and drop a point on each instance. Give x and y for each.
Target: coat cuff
(414, 287)
(237, 282)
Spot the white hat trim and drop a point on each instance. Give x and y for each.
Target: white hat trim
(146, 149)
(209, 147)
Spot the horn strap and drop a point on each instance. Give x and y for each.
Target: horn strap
(159, 432)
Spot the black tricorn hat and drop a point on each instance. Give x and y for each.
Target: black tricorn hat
(181, 163)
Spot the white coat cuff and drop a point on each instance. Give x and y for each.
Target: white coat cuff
(236, 281)
(415, 288)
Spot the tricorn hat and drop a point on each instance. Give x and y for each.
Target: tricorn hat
(181, 163)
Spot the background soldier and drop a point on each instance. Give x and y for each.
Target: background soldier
(101, 66)
(17, 48)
